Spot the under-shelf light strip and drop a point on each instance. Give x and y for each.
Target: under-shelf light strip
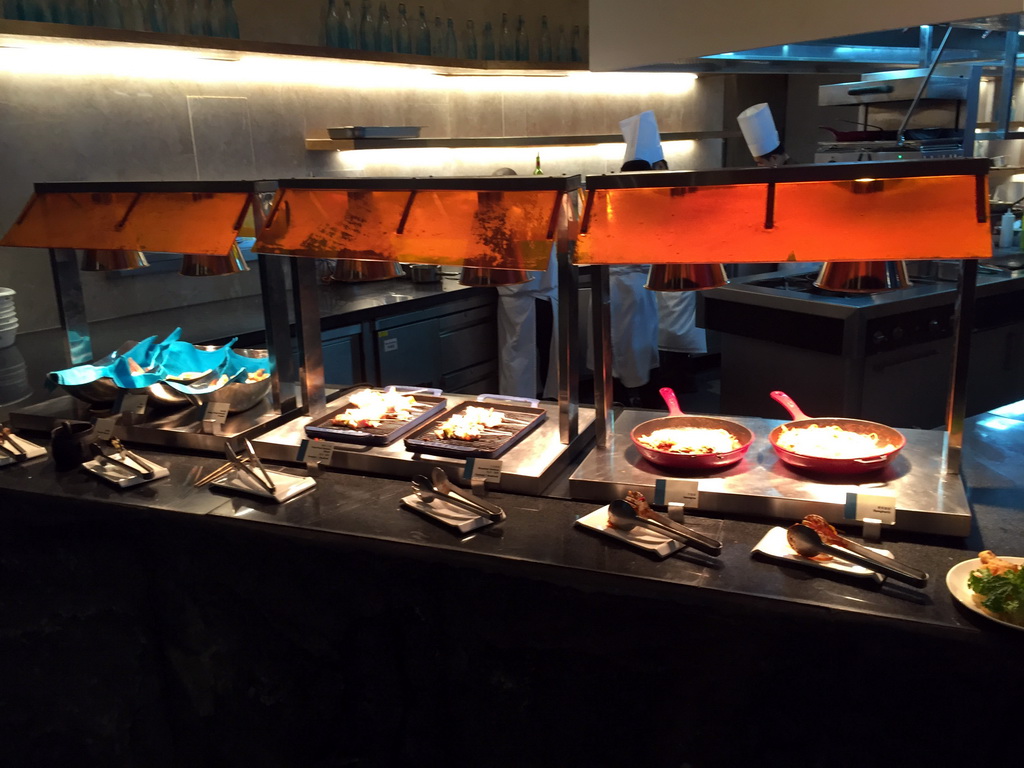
(28, 56)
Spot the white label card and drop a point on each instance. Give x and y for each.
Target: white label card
(676, 491)
(105, 427)
(134, 403)
(317, 451)
(876, 505)
(217, 412)
(483, 469)
(391, 345)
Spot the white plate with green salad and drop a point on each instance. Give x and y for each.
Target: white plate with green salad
(995, 590)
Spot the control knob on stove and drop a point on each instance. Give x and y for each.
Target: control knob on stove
(879, 337)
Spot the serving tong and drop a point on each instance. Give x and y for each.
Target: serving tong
(245, 461)
(15, 450)
(437, 487)
(124, 459)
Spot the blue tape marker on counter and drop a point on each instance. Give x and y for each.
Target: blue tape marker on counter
(660, 487)
(303, 446)
(467, 471)
(850, 507)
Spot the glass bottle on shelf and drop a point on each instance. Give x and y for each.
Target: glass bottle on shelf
(31, 10)
(198, 23)
(451, 44)
(216, 20)
(134, 16)
(536, 167)
(107, 13)
(437, 38)
(347, 29)
(544, 44)
(562, 51)
(403, 37)
(367, 28)
(469, 45)
(385, 37)
(422, 34)
(177, 17)
(575, 52)
(332, 23)
(487, 51)
(507, 50)
(56, 12)
(230, 20)
(157, 16)
(522, 41)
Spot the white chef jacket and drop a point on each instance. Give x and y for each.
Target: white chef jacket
(517, 334)
(677, 322)
(634, 325)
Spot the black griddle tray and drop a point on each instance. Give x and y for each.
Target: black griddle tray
(487, 447)
(389, 430)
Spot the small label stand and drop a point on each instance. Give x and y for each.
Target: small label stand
(214, 416)
(674, 495)
(479, 472)
(873, 509)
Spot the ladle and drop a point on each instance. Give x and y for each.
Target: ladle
(423, 488)
(806, 541)
(622, 516)
(443, 486)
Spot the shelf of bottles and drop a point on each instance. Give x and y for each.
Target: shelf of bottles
(209, 18)
(502, 39)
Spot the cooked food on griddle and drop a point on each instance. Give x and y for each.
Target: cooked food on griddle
(371, 407)
(471, 424)
(691, 440)
(831, 442)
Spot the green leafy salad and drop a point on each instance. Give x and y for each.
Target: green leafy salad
(1001, 588)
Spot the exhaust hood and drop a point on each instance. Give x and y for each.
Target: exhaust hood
(794, 36)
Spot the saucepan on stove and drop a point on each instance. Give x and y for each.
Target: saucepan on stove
(833, 445)
(686, 442)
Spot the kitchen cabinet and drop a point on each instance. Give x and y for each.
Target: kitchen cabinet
(452, 347)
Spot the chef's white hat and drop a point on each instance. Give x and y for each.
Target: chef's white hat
(759, 130)
(643, 142)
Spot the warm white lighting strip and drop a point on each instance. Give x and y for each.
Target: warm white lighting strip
(556, 160)
(30, 56)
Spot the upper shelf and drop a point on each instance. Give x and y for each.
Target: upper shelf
(44, 30)
(503, 141)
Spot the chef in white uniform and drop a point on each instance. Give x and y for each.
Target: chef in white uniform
(634, 309)
(519, 374)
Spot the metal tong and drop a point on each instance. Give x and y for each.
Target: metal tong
(429, 491)
(15, 451)
(121, 458)
(246, 461)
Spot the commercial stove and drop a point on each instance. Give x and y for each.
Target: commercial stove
(884, 357)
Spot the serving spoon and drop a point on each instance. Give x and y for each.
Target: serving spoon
(621, 515)
(806, 541)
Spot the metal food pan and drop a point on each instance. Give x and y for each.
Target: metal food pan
(524, 419)
(389, 430)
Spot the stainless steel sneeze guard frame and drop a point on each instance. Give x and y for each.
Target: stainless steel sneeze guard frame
(927, 499)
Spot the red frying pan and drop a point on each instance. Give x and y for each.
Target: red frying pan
(677, 420)
(889, 441)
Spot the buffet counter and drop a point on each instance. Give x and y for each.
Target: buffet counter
(340, 625)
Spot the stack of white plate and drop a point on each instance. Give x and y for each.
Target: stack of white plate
(8, 320)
